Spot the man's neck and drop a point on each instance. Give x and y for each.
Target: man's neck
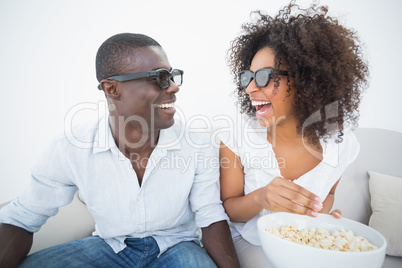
(132, 139)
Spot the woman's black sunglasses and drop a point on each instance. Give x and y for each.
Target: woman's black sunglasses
(162, 75)
(261, 76)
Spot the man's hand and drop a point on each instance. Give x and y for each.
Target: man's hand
(219, 245)
(15, 244)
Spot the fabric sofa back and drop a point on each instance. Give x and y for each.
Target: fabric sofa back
(380, 151)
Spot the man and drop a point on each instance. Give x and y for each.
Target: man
(146, 209)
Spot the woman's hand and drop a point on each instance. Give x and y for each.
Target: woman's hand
(286, 196)
(336, 213)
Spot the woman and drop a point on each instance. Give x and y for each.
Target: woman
(299, 79)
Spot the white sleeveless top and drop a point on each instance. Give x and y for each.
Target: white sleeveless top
(250, 143)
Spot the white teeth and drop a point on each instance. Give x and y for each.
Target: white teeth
(255, 103)
(166, 105)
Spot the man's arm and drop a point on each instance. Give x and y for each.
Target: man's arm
(219, 245)
(15, 243)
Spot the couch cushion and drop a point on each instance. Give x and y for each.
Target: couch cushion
(380, 150)
(386, 202)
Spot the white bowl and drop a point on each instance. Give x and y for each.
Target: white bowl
(282, 253)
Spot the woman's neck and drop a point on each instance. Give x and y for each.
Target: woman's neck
(284, 132)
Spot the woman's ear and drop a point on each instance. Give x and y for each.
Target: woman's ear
(110, 87)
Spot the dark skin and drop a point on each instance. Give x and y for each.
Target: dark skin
(135, 99)
(15, 244)
(216, 238)
(135, 128)
(218, 243)
(291, 152)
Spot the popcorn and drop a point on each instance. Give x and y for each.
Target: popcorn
(321, 238)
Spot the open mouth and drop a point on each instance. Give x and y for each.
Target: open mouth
(166, 106)
(262, 108)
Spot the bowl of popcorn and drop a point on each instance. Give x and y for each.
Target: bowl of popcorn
(292, 240)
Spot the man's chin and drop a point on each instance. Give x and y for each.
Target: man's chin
(164, 124)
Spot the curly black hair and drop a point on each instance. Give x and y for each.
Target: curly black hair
(322, 57)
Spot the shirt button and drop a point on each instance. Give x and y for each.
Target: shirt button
(139, 227)
(138, 198)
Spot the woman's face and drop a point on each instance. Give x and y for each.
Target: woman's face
(273, 105)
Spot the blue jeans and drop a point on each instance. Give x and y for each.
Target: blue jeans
(140, 252)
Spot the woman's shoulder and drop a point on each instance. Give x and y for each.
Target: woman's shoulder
(342, 149)
(351, 144)
(244, 135)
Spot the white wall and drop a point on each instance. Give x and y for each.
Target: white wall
(47, 53)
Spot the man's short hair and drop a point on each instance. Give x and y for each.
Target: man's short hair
(111, 55)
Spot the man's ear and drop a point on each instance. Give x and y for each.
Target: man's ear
(110, 87)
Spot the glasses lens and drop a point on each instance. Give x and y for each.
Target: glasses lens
(164, 76)
(245, 78)
(177, 77)
(262, 77)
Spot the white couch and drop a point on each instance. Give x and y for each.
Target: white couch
(381, 151)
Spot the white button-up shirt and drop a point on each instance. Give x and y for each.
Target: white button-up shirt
(261, 166)
(179, 190)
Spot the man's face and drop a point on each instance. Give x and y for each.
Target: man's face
(141, 100)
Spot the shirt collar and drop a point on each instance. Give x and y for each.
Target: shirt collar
(168, 139)
(103, 137)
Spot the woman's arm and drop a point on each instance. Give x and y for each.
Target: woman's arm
(278, 195)
(239, 208)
